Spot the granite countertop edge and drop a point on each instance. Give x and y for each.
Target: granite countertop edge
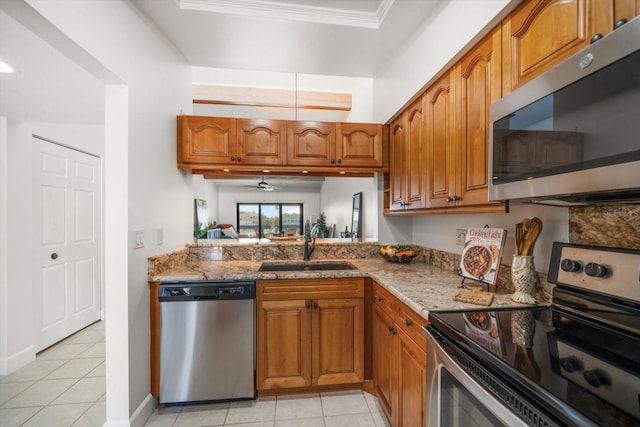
(422, 287)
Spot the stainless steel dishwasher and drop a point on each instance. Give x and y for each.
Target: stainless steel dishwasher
(207, 341)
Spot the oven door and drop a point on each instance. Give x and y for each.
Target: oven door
(454, 399)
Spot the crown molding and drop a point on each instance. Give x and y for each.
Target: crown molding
(293, 12)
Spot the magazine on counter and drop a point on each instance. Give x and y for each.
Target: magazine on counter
(482, 254)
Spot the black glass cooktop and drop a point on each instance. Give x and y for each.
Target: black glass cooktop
(568, 363)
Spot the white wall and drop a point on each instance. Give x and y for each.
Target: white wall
(15, 281)
(159, 196)
(206, 189)
(360, 88)
(229, 196)
(454, 24)
(336, 201)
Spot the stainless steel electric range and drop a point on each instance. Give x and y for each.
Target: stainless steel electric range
(575, 363)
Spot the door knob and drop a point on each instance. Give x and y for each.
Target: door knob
(54, 256)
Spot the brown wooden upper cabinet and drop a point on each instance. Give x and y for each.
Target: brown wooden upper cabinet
(229, 141)
(311, 144)
(206, 140)
(360, 145)
(408, 159)
(440, 143)
(478, 80)
(542, 33)
(261, 142)
(335, 144)
(242, 143)
(397, 149)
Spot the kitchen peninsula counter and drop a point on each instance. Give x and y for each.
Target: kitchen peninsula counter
(423, 287)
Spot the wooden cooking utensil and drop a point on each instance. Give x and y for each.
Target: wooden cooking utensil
(532, 234)
(519, 238)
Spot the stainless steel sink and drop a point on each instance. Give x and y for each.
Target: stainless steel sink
(307, 266)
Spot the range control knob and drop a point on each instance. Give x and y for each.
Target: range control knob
(570, 266)
(571, 364)
(596, 378)
(595, 270)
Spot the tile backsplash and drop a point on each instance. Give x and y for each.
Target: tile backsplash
(610, 225)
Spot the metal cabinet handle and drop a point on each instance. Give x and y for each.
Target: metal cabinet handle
(339, 161)
(315, 305)
(308, 305)
(380, 299)
(333, 161)
(54, 256)
(408, 322)
(238, 158)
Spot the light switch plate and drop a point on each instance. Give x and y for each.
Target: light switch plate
(461, 236)
(138, 239)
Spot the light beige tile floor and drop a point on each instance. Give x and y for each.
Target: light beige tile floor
(64, 386)
(336, 409)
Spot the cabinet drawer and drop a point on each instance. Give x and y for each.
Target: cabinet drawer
(289, 289)
(383, 299)
(412, 324)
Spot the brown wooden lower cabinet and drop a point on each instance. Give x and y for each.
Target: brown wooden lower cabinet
(315, 341)
(400, 360)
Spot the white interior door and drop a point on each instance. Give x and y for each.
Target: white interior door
(67, 261)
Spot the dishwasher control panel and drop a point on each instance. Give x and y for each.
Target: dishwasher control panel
(204, 290)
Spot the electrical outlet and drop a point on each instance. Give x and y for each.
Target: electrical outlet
(461, 236)
(160, 236)
(138, 239)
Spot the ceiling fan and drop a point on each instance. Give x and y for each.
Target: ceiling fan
(263, 185)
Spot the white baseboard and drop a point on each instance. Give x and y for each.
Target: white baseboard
(143, 412)
(17, 360)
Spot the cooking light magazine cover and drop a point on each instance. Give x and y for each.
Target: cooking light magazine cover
(482, 253)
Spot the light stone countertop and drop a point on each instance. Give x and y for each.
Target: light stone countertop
(422, 287)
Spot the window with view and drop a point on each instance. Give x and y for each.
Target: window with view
(266, 220)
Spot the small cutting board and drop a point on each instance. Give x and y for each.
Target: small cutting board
(474, 296)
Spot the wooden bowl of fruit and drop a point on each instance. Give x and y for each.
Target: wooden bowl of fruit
(397, 254)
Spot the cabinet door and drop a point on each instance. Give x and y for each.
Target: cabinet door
(206, 140)
(397, 163)
(359, 145)
(412, 380)
(539, 35)
(261, 142)
(604, 14)
(416, 171)
(283, 344)
(311, 143)
(337, 341)
(385, 363)
(479, 86)
(440, 143)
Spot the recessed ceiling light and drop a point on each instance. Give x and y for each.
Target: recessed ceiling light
(6, 68)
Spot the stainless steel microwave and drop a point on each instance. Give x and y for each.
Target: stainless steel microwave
(573, 133)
